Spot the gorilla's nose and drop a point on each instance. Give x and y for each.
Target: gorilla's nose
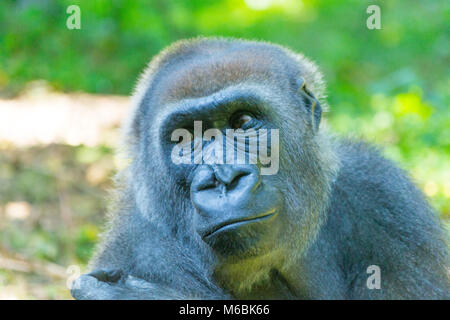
(225, 178)
(230, 197)
(229, 175)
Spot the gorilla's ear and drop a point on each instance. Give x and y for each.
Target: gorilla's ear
(311, 103)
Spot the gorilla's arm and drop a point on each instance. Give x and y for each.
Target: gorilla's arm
(136, 261)
(115, 285)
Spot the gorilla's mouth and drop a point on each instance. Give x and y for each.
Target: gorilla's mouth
(235, 223)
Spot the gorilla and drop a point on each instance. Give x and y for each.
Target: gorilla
(334, 220)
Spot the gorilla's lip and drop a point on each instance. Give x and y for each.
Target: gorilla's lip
(236, 222)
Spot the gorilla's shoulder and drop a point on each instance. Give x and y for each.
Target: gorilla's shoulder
(372, 187)
(364, 166)
(358, 157)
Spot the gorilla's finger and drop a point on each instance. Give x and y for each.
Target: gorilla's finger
(87, 287)
(107, 275)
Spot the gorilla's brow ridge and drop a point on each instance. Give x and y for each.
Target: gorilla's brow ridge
(188, 110)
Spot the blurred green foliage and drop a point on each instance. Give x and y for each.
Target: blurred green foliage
(388, 86)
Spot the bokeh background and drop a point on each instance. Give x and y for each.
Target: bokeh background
(64, 92)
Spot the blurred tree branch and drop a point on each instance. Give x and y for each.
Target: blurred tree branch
(15, 262)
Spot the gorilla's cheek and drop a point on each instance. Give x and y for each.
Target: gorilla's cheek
(237, 214)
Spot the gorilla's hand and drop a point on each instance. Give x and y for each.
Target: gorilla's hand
(115, 285)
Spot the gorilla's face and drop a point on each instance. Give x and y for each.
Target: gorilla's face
(224, 150)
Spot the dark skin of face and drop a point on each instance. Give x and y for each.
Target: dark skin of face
(231, 201)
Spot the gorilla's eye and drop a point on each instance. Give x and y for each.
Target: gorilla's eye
(241, 121)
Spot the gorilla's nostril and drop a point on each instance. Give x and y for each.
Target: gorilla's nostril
(207, 184)
(224, 178)
(203, 179)
(229, 175)
(235, 180)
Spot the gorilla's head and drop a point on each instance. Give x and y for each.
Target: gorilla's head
(239, 212)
